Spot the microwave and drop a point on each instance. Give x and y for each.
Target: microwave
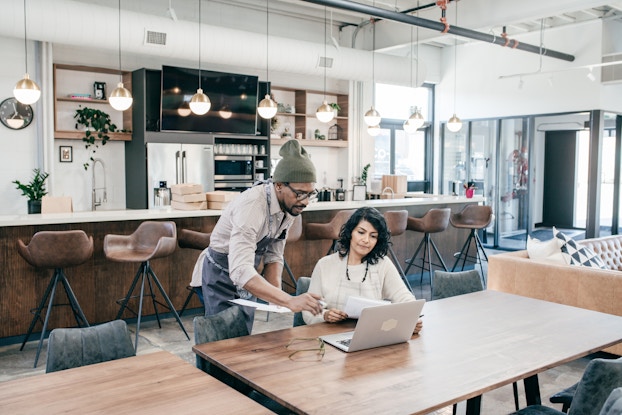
(229, 167)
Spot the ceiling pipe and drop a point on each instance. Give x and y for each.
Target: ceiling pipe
(440, 27)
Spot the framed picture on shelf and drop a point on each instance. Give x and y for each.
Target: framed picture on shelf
(359, 192)
(65, 154)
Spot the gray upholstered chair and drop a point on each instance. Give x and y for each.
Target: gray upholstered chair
(302, 286)
(75, 347)
(226, 324)
(600, 378)
(613, 404)
(449, 284)
(564, 397)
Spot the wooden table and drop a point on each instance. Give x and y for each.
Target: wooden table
(156, 383)
(469, 345)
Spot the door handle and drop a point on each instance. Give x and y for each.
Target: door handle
(177, 167)
(183, 167)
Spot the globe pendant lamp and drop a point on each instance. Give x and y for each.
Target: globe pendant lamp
(267, 107)
(324, 112)
(200, 103)
(120, 99)
(455, 124)
(26, 90)
(414, 122)
(372, 117)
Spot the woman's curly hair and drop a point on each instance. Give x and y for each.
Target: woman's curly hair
(376, 219)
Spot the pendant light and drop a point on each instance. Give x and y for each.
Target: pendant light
(200, 103)
(267, 107)
(121, 98)
(325, 112)
(372, 117)
(26, 90)
(415, 121)
(455, 124)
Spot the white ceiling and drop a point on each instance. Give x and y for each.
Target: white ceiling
(487, 16)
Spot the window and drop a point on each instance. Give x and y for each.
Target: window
(395, 151)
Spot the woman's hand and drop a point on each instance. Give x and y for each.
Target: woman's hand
(418, 327)
(333, 315)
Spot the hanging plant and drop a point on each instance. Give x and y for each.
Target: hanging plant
(97, 125)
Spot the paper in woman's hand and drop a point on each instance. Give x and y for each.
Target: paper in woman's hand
(354, 305)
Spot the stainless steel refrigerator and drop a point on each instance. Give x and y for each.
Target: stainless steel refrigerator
(179, 163)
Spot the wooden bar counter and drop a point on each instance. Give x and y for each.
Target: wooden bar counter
(99, 283)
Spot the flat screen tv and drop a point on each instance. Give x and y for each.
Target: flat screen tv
(233, 97)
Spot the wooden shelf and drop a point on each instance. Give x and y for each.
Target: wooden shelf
(304, 122)
(77, 135)
(89, 100)
(313, 143)
(74, 79)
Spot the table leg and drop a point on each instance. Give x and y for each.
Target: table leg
(532, 390)
(474, 405)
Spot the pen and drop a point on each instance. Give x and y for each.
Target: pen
(421, 315)
(323, 303)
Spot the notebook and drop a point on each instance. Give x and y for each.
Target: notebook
(378, 326)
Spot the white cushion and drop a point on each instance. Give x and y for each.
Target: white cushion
(537, 249)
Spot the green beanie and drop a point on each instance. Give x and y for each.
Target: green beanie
(295, 165)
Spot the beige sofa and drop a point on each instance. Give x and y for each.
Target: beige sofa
(579, 286)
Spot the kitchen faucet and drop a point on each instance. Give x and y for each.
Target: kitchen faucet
(94, 201)
(388, 188)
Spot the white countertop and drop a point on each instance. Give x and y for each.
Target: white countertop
(169, 213)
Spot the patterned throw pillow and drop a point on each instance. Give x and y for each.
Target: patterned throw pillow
(582, 256)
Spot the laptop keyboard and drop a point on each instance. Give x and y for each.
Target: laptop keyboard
(345, 342)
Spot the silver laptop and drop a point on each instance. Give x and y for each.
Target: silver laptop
(378, 326)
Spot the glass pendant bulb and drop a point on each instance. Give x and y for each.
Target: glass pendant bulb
(454, 124)
(372, 117)
(373, 130)
(121, 98)
(267, 107)
(415, 122)
(26, 91)
(325, 112)
(200, 103)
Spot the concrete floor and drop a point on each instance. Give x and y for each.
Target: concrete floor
(16, 364)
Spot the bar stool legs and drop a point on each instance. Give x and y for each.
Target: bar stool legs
(50, 292)
(148, 276)
(425, 244)
(434, 221)
(474, 218)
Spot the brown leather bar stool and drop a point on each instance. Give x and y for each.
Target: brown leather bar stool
(328, 230)
(56, 250)
(190, 239)
(293, 234)
(149, 241)
(434, 221)
(474, 218)
(396, 223)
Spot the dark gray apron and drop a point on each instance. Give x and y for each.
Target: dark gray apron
(218, 288)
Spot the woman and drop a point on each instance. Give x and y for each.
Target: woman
(360, 268)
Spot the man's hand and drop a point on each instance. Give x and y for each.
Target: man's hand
(305, 302)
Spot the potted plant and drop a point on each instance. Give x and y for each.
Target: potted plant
(34, 190)
(335, 107)
(97, 125)
(364, 174)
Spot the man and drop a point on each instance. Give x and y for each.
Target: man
(254, 226)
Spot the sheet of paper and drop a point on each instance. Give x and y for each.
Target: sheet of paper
(354, 305)
(261, 306)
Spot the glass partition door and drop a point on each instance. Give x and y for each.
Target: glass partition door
(512, 198)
